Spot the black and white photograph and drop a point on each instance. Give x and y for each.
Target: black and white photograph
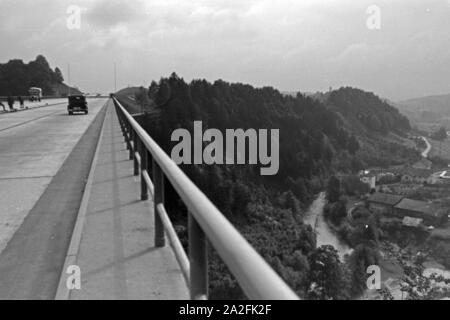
(222, 155)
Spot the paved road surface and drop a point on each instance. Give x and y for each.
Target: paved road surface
(34, 145)
(31, 105)
(428, 149)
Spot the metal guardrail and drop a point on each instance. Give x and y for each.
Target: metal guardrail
(205, 222)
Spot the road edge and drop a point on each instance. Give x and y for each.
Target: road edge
(62, 292)
(27, 109)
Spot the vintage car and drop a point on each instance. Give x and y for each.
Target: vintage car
(77, 103)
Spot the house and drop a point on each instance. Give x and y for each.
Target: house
(431, 213)
(412, 175)
(369, 180)
(411, 222)
(423, 164)
(383, 202)
(375, 175)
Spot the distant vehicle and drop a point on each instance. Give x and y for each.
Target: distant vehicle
(77, 103)
(35, 94)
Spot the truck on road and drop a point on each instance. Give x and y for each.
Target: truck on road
(35, 94)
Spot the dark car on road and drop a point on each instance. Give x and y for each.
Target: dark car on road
(77, 103)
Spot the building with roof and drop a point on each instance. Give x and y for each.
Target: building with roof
(411, 222)
(370, 180)
(431, 213)
(383, 202)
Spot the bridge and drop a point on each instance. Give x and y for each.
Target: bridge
(88, 191)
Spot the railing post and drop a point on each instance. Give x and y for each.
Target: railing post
(136, 143)
(150, 165)
(126, 133)
(130, 138)
(119, 118)
(144, 168)
(198, 258)
(123, 124)
(158, 180)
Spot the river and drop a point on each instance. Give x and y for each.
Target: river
(325, 235)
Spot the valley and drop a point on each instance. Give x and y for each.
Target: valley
(290, 217)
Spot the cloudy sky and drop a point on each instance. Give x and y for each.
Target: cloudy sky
(306, 45)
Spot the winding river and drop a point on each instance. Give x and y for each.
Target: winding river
(325, 235)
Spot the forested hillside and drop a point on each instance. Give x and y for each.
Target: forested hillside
(16, 77)
(309, 133)
(367, 111)
(375, 123)
(316, 141)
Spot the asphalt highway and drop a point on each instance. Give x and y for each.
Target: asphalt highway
(44, 159)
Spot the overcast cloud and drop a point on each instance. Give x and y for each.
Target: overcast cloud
(305, 45)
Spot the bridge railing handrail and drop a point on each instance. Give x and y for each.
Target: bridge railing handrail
(205, 222)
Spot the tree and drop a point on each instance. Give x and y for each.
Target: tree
(58, 75)
(287, 200)
(362, 257)
(241, 198)
(16, 77)
(141, 96)
(42, 61)
(300, 262)
(358, 277)
(352, 186)
(353, 144)
(327, 277)
(333, 189)
(336, 211)
(440, 135)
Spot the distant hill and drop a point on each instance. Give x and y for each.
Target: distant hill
(16, 77)
(367, 112)
(379, 127)
(429, 108)
(340, 130)
(135, 99)
(127, 92)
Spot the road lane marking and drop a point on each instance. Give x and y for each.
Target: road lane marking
(26, 122)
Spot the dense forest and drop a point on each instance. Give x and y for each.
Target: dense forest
(377, 125)
(315, 142)
(366, 110)
(16, 77)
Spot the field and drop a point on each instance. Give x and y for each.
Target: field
(440, 149)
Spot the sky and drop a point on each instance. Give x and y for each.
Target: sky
(293, 45)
